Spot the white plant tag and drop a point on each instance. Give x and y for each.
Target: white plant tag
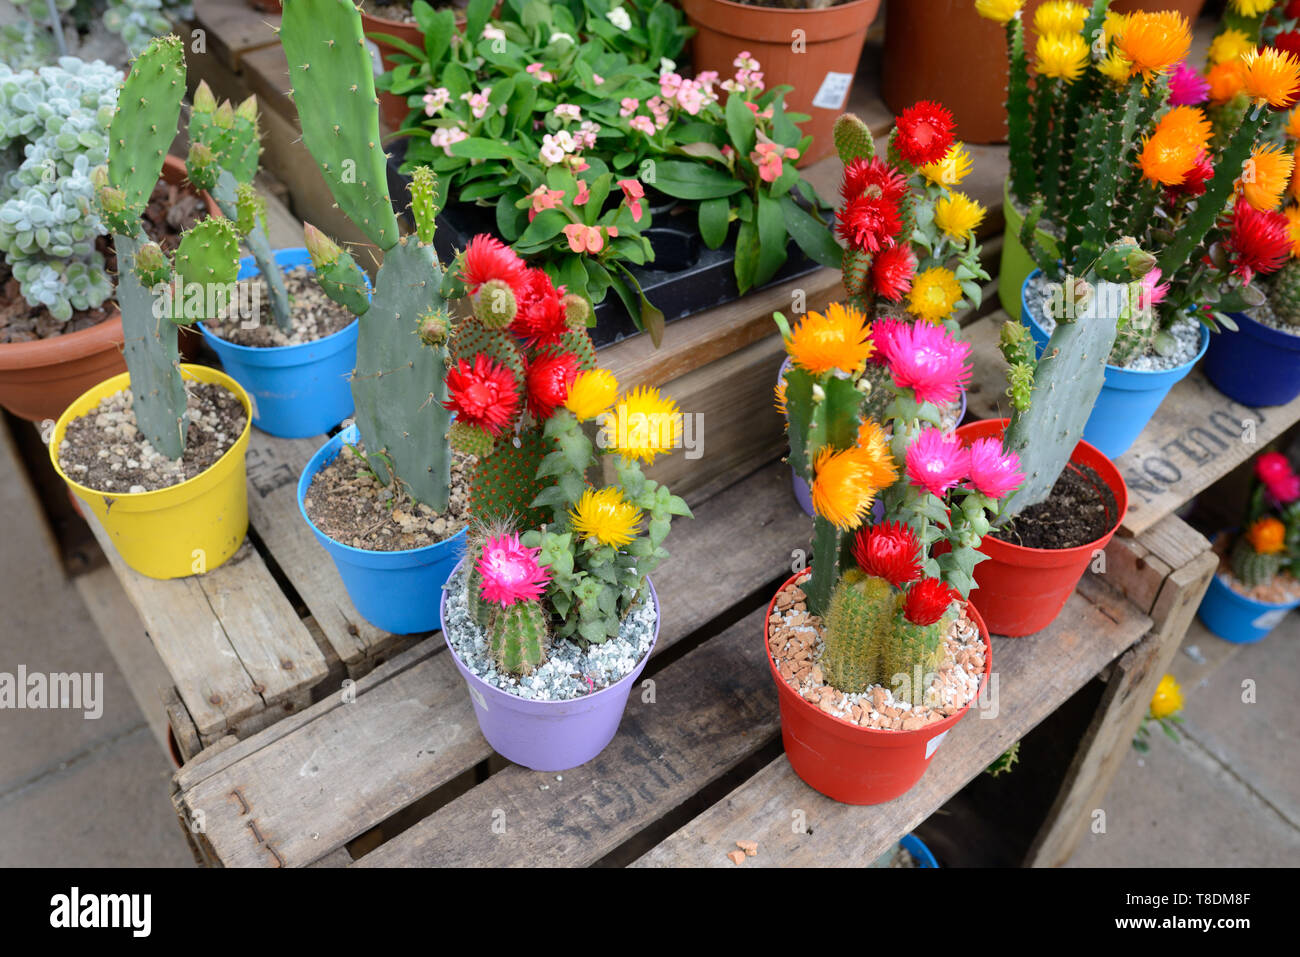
(376, 61)
(932, 745)
(833, 91)
(482, 701)
(1271, 619)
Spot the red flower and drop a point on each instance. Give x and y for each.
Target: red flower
(540, 319)
(1193, 183)
(889, 551)
(861, 175)
(482, 394)
(924, 133)
(549, 377)
(927, 601)
(1260, 241)
(1292, 10)
(487, 258)
(1274, 470)
(869, 222)
(892, 271)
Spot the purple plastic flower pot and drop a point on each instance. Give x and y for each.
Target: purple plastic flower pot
(549, 735)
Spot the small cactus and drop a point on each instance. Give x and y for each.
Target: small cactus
(1254, 568)
(517, 637)
(1284, 297)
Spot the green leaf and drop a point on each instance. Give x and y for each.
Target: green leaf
(772, 239)
(715, 221)
(704, 150)
(746, 256)
(546, 226)
(740, 125)
(687, 180)
(813, 238)
(479, 148)
(438, 28)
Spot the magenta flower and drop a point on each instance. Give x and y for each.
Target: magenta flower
(991, 472)
(882, 331)
(923, 357)
(936, 460)
(1151, 291)
(510, 571)
(1187, 87)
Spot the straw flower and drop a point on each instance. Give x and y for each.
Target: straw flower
(1061, 55)
(1168, 698)
(958, 215)
(1252, 8)
(950, 170)
(1225, 81)
(1154, 42)
(1267, 536)
(999, 11)
(1270, 76)
(1060, 16)
(1292, 214)
(1228, 46)
(605, 516)
(935, 293)
(1170, 152)
(1266, 176)
(936, 461)
(838, 339)
(649, 425)
(592, 394)
(842, 486)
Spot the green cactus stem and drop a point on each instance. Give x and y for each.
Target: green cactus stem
(336, 271)
(495, 306)
(853, 139)
(1023, 182)
(152, 265)
(1251, 567)
(859, 623)
(517, 637)
(425, 202)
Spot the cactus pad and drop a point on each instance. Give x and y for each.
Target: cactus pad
(505, 483)
(144, 124)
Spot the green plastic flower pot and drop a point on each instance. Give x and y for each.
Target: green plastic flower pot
(1016, 264)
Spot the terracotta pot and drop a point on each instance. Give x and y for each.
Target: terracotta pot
(393, 109)
(821, 73)
(38, 380)
(266, 6)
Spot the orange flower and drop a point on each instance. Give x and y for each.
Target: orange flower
(1293, 124)
(1170, 152)
(1292, 214)
(843, 486)
(1267, 536)
(1154, 42)
(1225, 81)
(837, 340)
(877, 454)
(1265, 177)
(1270, 76)
(1295, 175)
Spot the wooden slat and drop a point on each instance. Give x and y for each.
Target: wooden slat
(232, 28)
(412, 728)
(229, 638)
(712, 709)
(1197, 436)
(796, 826)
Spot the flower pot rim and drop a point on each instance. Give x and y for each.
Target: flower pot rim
(636, 669)
(1253, 327)
(783, 11)
(83, 342)
(122, 381)
(304, 483)
(1184, 368)
(930, 730)
(1121, 506)
(1261, 605)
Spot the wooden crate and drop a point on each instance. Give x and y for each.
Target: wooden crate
(394, 771)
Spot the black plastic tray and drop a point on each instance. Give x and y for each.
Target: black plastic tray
(686, 276)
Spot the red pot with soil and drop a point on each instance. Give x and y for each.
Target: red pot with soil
(821, 70)
(846, 761)
(1022, 589)
(40, 378)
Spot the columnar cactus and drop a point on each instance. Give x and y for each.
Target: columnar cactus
(224, 150)
(142, 128)
(517, 636)
(398, 385)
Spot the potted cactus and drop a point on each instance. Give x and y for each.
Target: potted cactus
(157, 453)
(296, 367)
(552, 616)
(1255, 586)
(1133, 166)
(875, 650)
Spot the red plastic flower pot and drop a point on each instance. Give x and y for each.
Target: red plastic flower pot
(1021, 590)
(849, 763)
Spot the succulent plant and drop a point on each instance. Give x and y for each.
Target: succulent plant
(137, 21)
(142, 128)
(1284, 296)
(53, 134)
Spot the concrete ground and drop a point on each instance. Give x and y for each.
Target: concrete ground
(94, 792)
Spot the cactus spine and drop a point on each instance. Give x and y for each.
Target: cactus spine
(398, 385)
(1284, 297)
(1251, 567)
(517, 637)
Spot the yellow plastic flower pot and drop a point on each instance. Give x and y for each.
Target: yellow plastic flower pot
(181, 530)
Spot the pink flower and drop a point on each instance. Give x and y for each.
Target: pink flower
(536, 70)
(1187, 87)
(923, 357)
(478, 102)
(633, 192)
(1151, 292)
(1274, 470)
(445, 136)
(510, 571)
(628, 105)
(936, 461)
(584, 194)
(669, 84)
(436, 100)
(588, 239)
(690, 96)
(644, 124)
(568, 111)
(597, 79)
(767, 157)
(544, 198)
(882, 330)
(991, 472)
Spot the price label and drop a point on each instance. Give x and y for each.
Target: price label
(833, 91)
(932, 745)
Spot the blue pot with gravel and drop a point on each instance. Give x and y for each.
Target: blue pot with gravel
(919, 850)
(1130, 396)
(299, 390)
(1238, 619)
(392, 590)
(1257, 365)
(566, 711)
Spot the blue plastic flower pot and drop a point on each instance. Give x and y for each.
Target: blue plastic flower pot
(1255, 365)
(1128, 398)
(297, 391)
(396, 591)
(918, 849)
(1236, 618)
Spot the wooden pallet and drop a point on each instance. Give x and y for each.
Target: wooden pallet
(393, 769)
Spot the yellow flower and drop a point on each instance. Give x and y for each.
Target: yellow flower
(605, 516)
(1265, 177)
(1292, 214)
(935, 292)
(1154, 42)
(1061, 55)
(1252, 8)
(998, 10)
(1228, 46)
(1114, 24)
(882, 472)
(592, 393)
(1267, 536)
(950, 170)
(1060, 16)
(1116, 67)
(843, 485)
(1269, 76)
(646, 425)
(836, 340)
(958, 215)
(1168, 698)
